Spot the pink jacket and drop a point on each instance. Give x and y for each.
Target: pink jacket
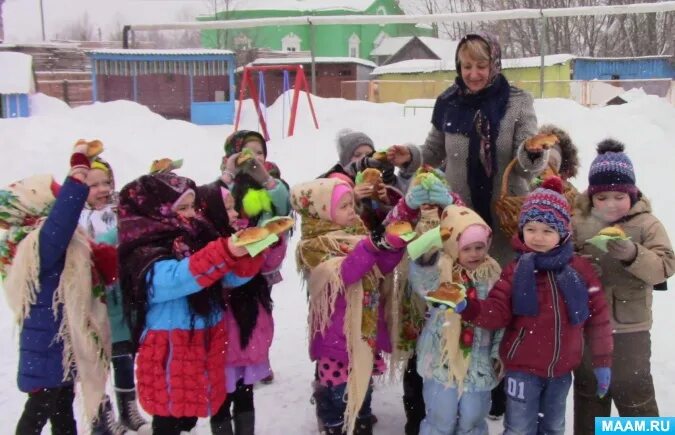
(333, 343)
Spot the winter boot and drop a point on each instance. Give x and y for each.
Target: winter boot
(222, 428)
(363, 426)
(130, 416)
(244, 423)
(106, 423)
(268, 379)
(334, 430)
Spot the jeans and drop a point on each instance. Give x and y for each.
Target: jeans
(449, 414)
(331, 404)
(535, 405)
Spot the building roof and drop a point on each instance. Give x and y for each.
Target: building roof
(443, 48)
(300, 5)
(160, 52)
(431, 65)
(308, 60)
(390, 45)
(17, 73)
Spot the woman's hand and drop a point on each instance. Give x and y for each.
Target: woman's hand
(399, 155)
(363, 190)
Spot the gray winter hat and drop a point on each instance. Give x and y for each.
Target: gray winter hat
(348, 141)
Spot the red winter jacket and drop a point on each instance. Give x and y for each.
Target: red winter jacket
(546, 345)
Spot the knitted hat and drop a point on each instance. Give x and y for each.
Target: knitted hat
(612, 170)
(548, 206)
(313, 198)
(237, 140)
(348, 141)
(473, 234)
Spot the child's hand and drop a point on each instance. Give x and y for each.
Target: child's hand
(228, 168)
(460, 306)
(603, 375)
(498, 367)
(236, 251)
(382, 195)
(416, 196)
(439, 195)
(79, 161)
(257, 171)
(399, 155)
(622, 250)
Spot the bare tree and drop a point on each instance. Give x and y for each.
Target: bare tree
(81, 29)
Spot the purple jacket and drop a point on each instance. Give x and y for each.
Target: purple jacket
(333, 343)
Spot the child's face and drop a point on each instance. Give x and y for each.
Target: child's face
(472, 255)
(361, 152)
(540, 237)
(345, 215)
(257, 149)
(611, 206)
(100, 188)
(232, 214)
(185, 208)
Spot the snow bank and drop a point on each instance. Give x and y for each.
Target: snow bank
(134, 136)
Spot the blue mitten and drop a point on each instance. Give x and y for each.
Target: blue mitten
(461, 306)
(603, 375)
(440, 195)
(416, 196)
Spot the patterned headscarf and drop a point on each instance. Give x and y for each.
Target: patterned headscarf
(149, 231)
(23, 205)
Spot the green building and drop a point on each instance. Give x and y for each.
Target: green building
(348, 40)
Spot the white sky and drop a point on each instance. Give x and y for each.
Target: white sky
(22, 17)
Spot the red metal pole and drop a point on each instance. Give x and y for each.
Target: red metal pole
(294, 104)
(309, 97)
(242, 91)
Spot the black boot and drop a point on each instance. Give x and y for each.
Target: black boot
(106, 423)
(363, 426)
(222, 427)
(335, 430)
(244, 423)
(130, 416)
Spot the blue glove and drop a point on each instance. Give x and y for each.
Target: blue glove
(439, 195)
(603, 375)
(461, 306)
(416, 196)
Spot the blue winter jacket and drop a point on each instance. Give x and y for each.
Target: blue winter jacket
(40, 354)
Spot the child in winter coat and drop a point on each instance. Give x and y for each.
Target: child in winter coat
(172, 263)
(547, 299)
(257, 194)
(355, 150)
(248, 316)
(459, 363)
(631, 269)
(54, 292)
(422, 206)
(344, 268)
(99, 220)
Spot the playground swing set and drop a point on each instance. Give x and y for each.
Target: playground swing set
(259, 95)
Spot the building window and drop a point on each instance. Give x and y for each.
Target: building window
(242, 42)
(354, 42)
(379, 38)
(290, 42)
(381, 10)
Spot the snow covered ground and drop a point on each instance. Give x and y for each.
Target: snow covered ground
(134, 136)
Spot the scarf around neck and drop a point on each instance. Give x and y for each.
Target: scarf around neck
(477, 116)
(567, 279)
